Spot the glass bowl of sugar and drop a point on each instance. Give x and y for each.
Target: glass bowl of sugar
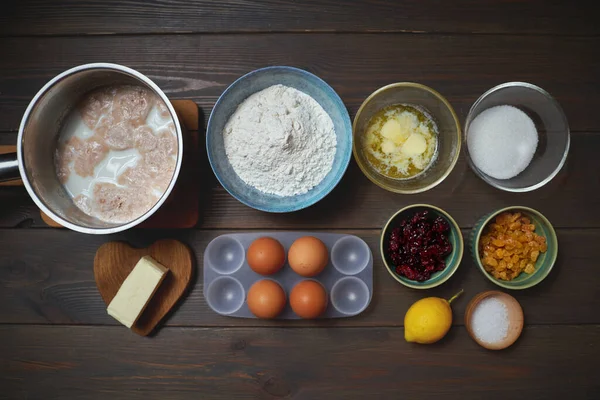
(517, 137)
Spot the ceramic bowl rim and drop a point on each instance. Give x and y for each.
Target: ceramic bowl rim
(444, 101)
(459, 251)
(477, 237)
(345, 160)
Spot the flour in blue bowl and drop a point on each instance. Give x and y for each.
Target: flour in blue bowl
(280, 141)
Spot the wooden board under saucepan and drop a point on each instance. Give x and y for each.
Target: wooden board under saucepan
(114, 261)
(181, 208)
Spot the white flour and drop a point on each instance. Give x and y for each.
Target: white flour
(280, 141)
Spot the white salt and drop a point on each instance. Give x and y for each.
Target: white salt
(502, 141)
(490, 320)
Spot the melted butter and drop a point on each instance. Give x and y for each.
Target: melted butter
(401, 141)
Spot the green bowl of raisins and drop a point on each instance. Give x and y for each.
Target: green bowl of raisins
(515, 247)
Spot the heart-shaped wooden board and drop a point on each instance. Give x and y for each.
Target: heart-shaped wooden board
(114, 261)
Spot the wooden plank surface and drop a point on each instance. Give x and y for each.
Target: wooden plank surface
(56, 340)
(200, 67)
(68, 17)
(54, 283)
(566, 201)
(303, 364)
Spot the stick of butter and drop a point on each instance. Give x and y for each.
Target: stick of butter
(136, 291)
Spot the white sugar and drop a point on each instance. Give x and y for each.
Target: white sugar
(502, 141)
(490, 320)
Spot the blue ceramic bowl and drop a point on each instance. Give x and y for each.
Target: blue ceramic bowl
(256, 81)
(452, 260)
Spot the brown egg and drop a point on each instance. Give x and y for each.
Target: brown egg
(308, 256)
(308, 299)
(266, 256)
(266, 299)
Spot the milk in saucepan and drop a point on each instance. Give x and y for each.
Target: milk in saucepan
(117, 152)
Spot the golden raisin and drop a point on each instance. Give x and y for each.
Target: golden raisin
(529, 236)
(540, 239)
(522, 238)
(510, 246)
(529, 269)
(490, 261)
(514, 225)
(498, 243)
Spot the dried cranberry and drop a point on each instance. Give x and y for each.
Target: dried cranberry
(420, 216)
(441, 265)
(429, 253)
(417, 246)
(445, 247)
(406, 271)
(422, 276)
(440, 225)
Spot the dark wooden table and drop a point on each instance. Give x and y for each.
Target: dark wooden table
(56, 340)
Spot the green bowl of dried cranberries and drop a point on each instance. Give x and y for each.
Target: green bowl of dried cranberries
(421, 246)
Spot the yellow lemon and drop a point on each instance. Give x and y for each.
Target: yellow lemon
(428, 320)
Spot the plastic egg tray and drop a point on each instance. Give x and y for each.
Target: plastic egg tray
(347, 278)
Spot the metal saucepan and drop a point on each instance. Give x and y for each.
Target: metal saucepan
(34, 160)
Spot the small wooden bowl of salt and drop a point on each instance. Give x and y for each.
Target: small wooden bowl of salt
(494, 319)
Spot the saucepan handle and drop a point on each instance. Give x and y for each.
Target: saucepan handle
(9, 167)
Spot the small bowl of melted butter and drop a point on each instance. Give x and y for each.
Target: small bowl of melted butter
(406, 138)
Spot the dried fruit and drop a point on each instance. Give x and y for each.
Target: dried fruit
(419, 245)
(509, 246)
